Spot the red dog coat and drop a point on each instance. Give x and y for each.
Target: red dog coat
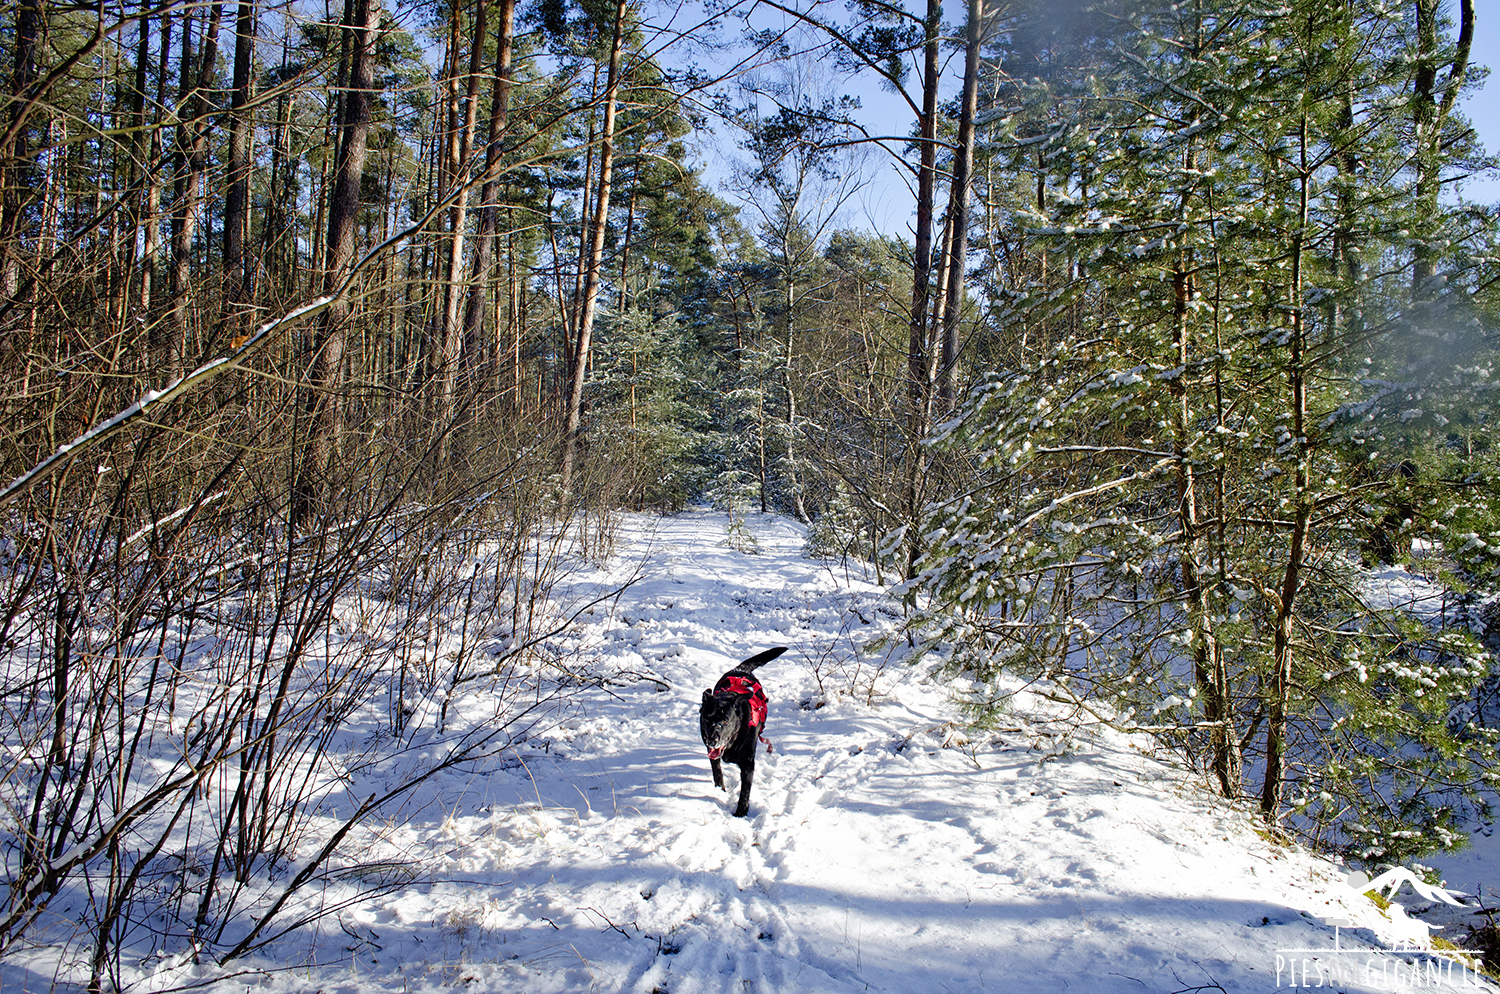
(737, 685)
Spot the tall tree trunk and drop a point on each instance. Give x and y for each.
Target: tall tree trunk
(789, 305)
(275, 231)
(17, 164)
(1209, 670)
(1208, 659)
(958, 203)
(1281, 652)
(1428, 116)
(919, 360)
(237, 265)
(152, 294)
(595, 255)
(512, 384)
(590, 160)
(476, 309)
(937, 297)
(462, 117)
(635, 188)
(322, 409)
(17, 188)
(191, 159)
(139, 170)
(166, 345)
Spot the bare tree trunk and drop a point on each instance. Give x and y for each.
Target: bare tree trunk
(191, 159)
(1208, 659)
(165, 339)
(237, 266)
(151, 283)
(635, 188)
(937, 298)
(17, 187)
(278, 219)
(460, 142)
(1209, 669)
(590, 161)
(958, 204)
(595, 254)
(1281, 654)
(138, 171)
(789, 304)
(1428, 117)
(475, 309)
(919, 361)
(321, 406)
(511, 384)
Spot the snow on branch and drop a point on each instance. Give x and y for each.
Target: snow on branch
(153, 400)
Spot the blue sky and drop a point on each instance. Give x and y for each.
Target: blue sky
(886, 203)
(1483, 106)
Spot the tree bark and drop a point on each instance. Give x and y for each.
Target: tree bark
(137, 172)
(322, 410)
(151, 277)
(595, 255)
(462, 118)
(237, 265)
(1208, 659)
(789, 305)
(958, 203)
(1428, 117)
(190, 160)
(276, 230)
(919, 361)
(1281, 653)
(476, 309)
(17, 191)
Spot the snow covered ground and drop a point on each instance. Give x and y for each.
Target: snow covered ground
(884, 851)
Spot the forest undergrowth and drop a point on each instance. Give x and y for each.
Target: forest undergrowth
(206, 715)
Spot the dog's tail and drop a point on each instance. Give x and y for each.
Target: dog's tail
(760, 659)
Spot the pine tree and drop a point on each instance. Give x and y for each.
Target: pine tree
(1163, 524)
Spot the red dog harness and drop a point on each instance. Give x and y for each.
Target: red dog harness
(735, 685)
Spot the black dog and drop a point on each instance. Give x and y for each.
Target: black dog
(733, 715)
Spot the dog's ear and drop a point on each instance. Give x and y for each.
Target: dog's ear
(708, 696)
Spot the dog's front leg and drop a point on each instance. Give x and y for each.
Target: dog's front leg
(718, 769)
(747, 775)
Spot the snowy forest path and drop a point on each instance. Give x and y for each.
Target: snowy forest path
(885, 848)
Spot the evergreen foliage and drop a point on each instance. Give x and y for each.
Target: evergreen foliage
(1238, 382)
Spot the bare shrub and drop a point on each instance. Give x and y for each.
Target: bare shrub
(188, 687)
